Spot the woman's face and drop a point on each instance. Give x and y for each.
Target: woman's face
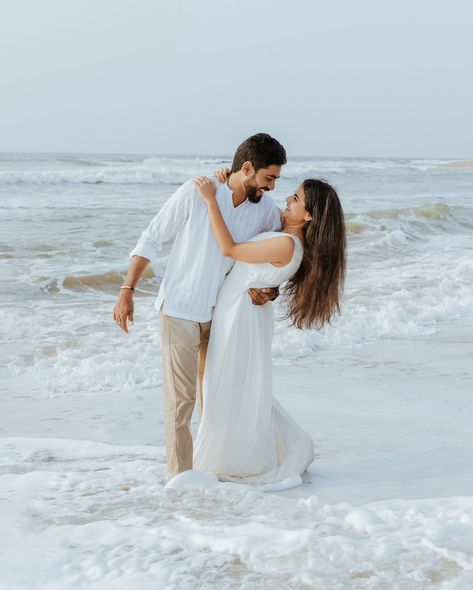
(295, 212)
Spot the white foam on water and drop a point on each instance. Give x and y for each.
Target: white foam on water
(151, 170)
(389, 301)
(81, 350)
(75, 347)
(174, 170)
(81, 514)
(192, 478)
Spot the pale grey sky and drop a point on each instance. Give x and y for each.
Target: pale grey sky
(340, 78)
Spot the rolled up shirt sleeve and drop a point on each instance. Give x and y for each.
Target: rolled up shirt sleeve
(166, 224)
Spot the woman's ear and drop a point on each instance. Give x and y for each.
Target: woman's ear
(307, 217)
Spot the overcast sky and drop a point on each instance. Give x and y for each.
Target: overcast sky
(339, 78)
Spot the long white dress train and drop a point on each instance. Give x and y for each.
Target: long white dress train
(245, 435)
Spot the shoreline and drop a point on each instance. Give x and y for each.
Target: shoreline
(374, 439)
(389, 495)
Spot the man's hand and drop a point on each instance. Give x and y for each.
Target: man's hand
(124, 309)
(262, 296)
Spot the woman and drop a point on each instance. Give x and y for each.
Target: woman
(245, 435)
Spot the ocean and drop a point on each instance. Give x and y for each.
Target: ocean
(82, 447)
(68, 223)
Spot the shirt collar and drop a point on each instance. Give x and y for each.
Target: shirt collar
(230, 195)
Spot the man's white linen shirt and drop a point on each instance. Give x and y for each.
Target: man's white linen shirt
(196, 268)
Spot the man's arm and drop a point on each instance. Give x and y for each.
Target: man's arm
(163, 227)
(167, 223)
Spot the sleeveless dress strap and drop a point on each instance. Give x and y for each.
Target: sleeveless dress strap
(296, 239)
(298, 249)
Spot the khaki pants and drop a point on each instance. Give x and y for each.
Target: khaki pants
(183, 348)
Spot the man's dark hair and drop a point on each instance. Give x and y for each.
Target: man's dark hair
(261, 150)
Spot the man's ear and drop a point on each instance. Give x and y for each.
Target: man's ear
(248, 168)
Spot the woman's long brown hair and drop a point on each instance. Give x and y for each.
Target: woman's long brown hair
(314, 291)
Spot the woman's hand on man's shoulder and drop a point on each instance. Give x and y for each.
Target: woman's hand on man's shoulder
(207, 188)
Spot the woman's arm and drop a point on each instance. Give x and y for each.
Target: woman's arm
(275, 250)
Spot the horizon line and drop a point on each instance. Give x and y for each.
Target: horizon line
(226, 156)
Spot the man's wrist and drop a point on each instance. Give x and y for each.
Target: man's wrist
(127, 290)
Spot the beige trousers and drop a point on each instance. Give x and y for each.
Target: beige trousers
(183, 348)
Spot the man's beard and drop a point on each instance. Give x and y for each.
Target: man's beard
(253, 192)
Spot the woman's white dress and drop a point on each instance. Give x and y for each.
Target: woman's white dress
(244, 434)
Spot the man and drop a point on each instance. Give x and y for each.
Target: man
(194, 274)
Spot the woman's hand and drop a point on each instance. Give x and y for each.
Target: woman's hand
(206, 188)
(222, 175)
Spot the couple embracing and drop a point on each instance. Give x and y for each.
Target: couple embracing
(232, 250)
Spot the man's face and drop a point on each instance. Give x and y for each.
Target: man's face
(260, 182)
